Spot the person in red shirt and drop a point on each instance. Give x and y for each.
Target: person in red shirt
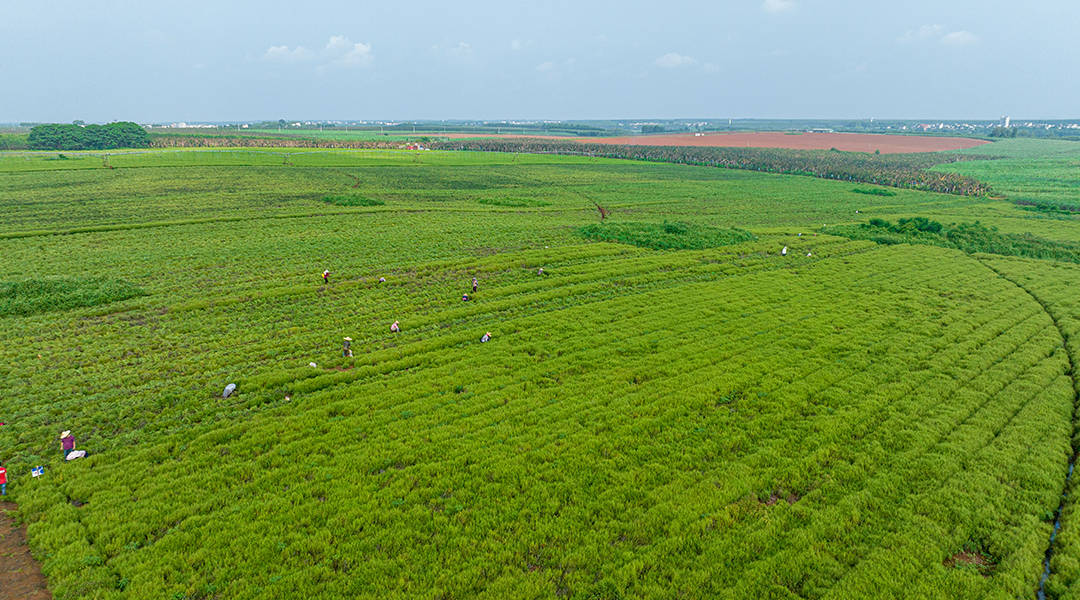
(67, 442)
(3, 481)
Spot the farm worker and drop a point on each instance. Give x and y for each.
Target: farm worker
(394, 328)
(474, 284)
(487, 336)
(346, 351)
(809, 254)
(67, 442)
(784, 251)
(326, 276)
(382, 280)
(3, 480)
(541, 271)
(800, 235)
(465, 298)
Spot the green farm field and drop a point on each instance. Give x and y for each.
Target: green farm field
(1041, 174)
(712, 419)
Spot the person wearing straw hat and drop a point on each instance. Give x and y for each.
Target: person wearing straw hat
(395, 328)
(326, 276)
(475, 284)
(487, 336)
(346, 351)
(67, 442)
(3, 480)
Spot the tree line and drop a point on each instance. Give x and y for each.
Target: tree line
(122, 134)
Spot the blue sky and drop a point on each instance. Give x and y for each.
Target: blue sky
(196, 60)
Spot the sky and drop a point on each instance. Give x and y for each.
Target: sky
(243, 60)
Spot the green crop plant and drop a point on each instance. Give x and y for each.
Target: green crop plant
(674, 408)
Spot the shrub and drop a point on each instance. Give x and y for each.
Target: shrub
(666, 236)
(513, 202)
(969, 237)
(874, 191)
(38, 296)
(349, 200)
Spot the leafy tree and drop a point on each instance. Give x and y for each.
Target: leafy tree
(124, 134)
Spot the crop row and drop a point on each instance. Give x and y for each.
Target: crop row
(390, 477)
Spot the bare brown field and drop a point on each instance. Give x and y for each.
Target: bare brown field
(848, 142)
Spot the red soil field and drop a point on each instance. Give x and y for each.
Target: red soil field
(848, 142)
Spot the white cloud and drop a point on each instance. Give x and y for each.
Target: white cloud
(337, 44)
(461, 50)
(711, 68)
(515, 45)
(343, 52)
(285, 54)
(545, 66)
(673, 60)
(777, 6)
(339, 51)
(959, 38)
(937, 33)
(922, 33)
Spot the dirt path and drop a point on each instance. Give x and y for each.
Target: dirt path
(20, 574)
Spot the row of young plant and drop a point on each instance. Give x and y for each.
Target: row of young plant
(895, 170)
(1053, 285)
(494, 456)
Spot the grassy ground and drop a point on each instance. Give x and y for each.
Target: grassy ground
(868, 421)
(1041, 174)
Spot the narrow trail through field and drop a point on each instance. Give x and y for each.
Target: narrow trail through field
(1041, 593)
(20, 574)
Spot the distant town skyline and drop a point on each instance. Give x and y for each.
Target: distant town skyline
(242, 61)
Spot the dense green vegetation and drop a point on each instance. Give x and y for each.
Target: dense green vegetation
(514, 202)
(122, 134)
(874, 191)
(34, 296)
(1040, 174)
(666, 236)
(14, 141)
(1053, 285)
(969, 237)
(721, 422)
(351, 200)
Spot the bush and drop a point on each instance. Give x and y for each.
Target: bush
(968, 237)
(513, 202)
(348, 200)
(874, 191)
(666, 236)
(31, 297)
